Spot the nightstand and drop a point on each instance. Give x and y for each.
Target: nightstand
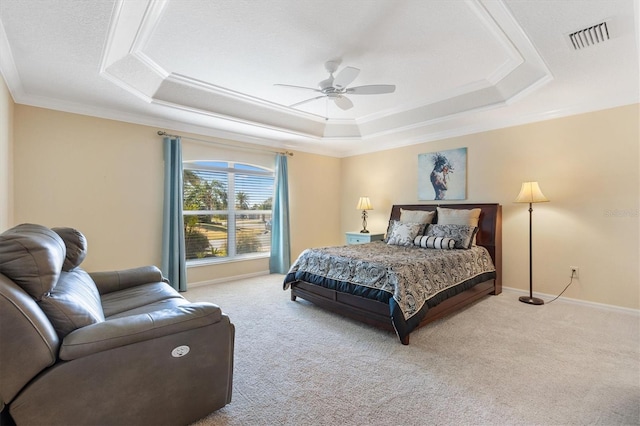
(361, 238)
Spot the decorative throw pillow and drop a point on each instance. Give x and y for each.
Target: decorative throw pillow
(416, 216)
(443, 243)
(389, 228)
(461, 234)
(403, 234)
(459, 217)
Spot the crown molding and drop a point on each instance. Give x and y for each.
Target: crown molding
(8, 67)
(488, 125)
(125, 64)
(274, 125)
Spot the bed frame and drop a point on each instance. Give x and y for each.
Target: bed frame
(377, 313)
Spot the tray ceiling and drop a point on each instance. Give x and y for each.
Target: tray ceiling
(210, 67)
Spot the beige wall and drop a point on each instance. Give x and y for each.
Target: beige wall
(587, 165)
(6, 156)
(104, 177)
(100, 176)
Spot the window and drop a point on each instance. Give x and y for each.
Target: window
(227, 210)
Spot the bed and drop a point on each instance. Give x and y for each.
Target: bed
(403, 287)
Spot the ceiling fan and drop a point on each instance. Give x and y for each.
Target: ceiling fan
(335, 88)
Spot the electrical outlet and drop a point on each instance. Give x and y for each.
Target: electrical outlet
(574, 271)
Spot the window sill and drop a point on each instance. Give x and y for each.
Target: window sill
(219, 260)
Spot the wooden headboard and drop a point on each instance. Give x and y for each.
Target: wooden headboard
(489, 227)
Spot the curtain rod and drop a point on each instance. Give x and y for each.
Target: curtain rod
(163, 133)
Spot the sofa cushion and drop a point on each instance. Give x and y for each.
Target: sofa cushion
(110, 281)
(134, 297)
(32, 257)
(73, 303)
(171, 303)
(76, 245)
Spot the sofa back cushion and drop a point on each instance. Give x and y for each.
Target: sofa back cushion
(32, 257)
(76, 245)
(73, 303)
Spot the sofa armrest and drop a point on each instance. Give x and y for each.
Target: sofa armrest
(137, 328)
(111, 281)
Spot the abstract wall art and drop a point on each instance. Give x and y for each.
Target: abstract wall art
(442, 175)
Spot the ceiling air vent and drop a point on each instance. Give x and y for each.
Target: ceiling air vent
(589, 36)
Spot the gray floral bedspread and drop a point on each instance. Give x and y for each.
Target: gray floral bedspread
(412, 275)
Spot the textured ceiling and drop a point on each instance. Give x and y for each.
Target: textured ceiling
(210, 67)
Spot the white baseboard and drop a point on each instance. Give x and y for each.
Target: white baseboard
(603, 306)
(227, 279)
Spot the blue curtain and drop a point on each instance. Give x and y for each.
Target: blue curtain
(174, 266)
(280, 259)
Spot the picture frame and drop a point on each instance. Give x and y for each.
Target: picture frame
(442, 175)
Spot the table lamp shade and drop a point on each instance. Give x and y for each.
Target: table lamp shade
(531, 193)
(364, 204)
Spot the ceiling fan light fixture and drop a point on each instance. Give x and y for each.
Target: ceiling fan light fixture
(331, 66)
(326, 84)
(334, 88)
(343, 102)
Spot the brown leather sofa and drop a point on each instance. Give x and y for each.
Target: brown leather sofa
(108, 348)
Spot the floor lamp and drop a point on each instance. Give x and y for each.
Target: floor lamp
(530, 193)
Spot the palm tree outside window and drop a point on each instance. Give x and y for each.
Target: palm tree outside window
(217, 229)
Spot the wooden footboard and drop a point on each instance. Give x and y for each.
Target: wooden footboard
(376, 313)
(359, 308)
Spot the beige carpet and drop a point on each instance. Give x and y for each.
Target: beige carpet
(498, 362)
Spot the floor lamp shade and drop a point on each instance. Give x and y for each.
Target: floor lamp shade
(364, 204)
(531, 193)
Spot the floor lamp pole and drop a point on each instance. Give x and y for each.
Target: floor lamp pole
(531, 300)
(530, 193)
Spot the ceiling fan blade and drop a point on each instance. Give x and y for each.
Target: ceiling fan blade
(373, 89)
(307, 100)
(297, 87)
(345, 77)
(343, 102)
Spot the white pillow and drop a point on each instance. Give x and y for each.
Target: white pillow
(434, 242)
(416, 216)
(459, 217)
(403, 234)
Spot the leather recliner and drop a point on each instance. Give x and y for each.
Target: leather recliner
(107, 348)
